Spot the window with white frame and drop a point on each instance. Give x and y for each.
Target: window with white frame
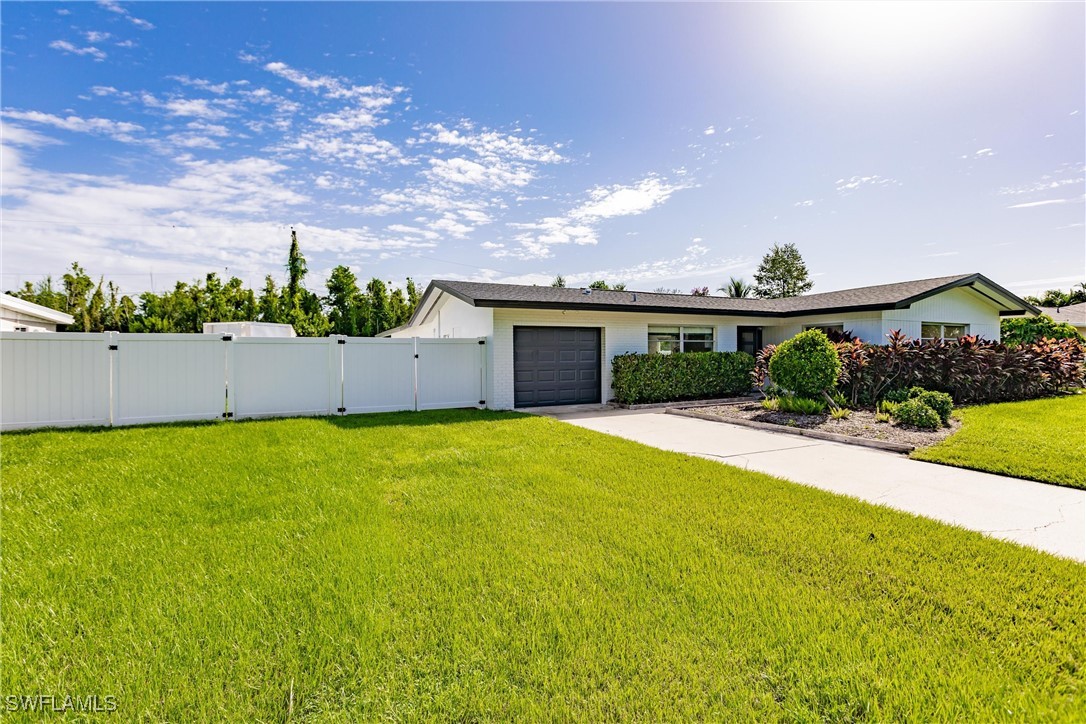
(667, 340)
(930, 331)
(827, 328)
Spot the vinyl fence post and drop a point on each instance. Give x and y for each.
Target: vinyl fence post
(340, 356)
(482, 373)
(111, 350)
(227, 372)
(415, 340)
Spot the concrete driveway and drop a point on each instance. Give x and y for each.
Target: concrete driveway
(1046, 517)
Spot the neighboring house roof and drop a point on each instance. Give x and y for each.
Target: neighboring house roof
(1074, 314)
(24, 308)
(390, 332)
(883, 296)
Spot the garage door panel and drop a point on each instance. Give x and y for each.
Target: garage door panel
(556, 366)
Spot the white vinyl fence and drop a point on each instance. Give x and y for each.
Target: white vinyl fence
(68, 379)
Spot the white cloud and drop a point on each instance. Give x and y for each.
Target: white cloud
(115, 7)
(118, 130)
(846, 186)
(808, 202)
(194, 107)
(461, 171)
(710, 131)
(203, 84)
(19, 136)
(1067, 175)
(491, 143)
(1046, 202)
(579, 226)
(95, 36)
(983, 153)
(190, 140)
(206, 214)
(65, 46)
(606, 202)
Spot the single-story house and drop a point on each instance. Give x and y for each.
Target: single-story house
(19, 315)
(1073, 314)
(553, 346)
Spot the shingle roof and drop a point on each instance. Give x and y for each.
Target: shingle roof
(1072, 314)
(882, 296)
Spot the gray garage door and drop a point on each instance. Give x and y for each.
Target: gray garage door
(555, 365)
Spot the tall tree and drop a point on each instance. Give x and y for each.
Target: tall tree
(599, 284)
(269, 301)
(77, 289)
(699, 292)
(737, 288)
(782, 273)
(296, 271)
(377, 316)
(412, 294)
(344, 302)
(559, 282)
(398, 310)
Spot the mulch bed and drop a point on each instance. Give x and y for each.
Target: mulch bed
(861, 423)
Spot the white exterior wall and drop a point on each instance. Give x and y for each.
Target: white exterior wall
(865, 325)
(621, 333)
(452, 318)
(11, 320)
(956, 306)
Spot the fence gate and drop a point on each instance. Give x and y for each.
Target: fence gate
(167, 377)
(48, 379)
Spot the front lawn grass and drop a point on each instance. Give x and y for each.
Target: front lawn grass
(1038, 440)
(477, 565)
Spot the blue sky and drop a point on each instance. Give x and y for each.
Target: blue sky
(659, 145)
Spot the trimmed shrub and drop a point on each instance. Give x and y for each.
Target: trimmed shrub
(806, 365)
(916, 414)
(646, 378)
(941, 402)
(800, 405)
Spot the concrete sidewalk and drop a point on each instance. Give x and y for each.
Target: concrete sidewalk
(1046, 517)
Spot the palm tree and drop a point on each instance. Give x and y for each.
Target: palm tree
(737, 288)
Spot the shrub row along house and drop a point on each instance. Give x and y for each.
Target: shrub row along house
(554, 346)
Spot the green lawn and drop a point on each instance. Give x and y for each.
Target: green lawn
(1039, 440)
(477, 565)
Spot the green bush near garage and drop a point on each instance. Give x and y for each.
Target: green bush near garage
(647, 378)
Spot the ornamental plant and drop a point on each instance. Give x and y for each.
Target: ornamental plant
(806, 365)
(968, 369)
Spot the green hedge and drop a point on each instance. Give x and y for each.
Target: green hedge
(645, 378)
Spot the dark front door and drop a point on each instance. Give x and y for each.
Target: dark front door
(555, 366)
(750, 340)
